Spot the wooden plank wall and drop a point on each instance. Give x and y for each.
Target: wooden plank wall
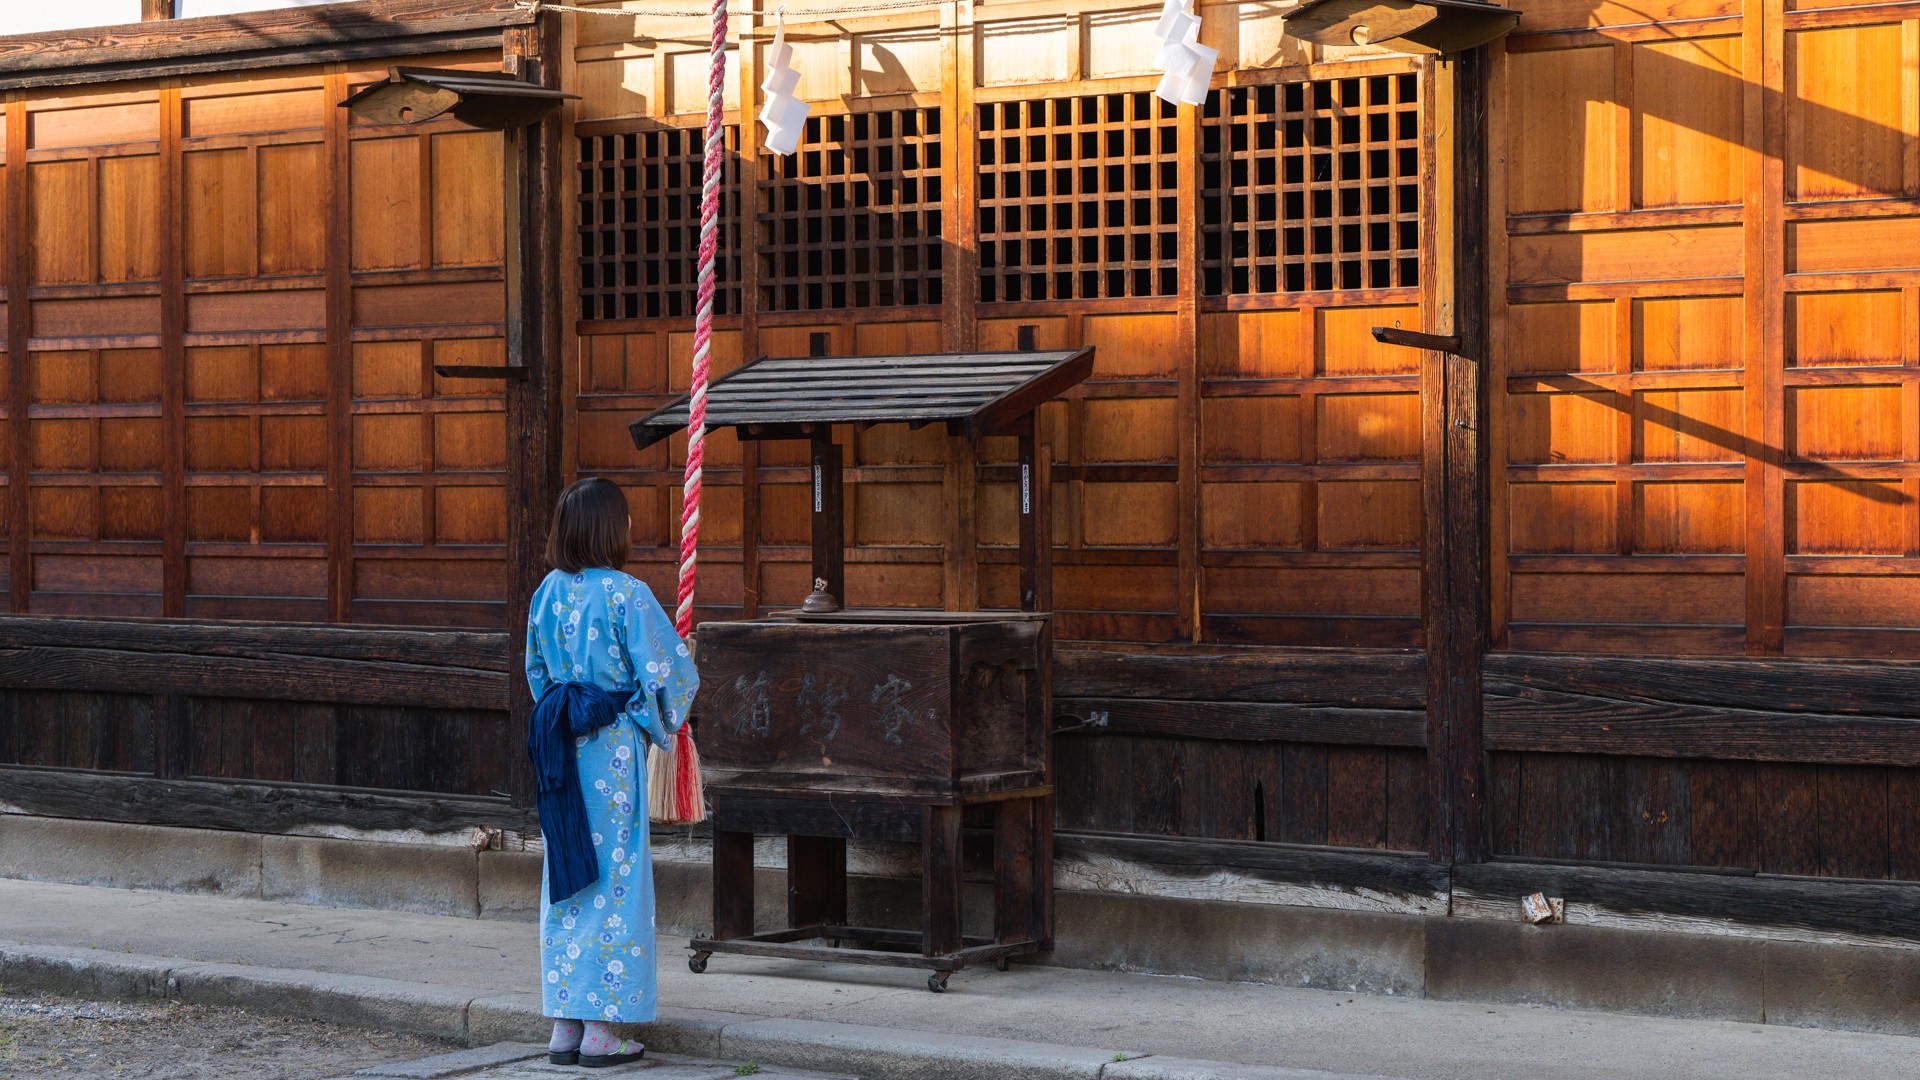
(1244, 465)
(225, 301)
(1707, 329)
(1703, 410)
(1243, 468)
(223, 388)
(411, 710)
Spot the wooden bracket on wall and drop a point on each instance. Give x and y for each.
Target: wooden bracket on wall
(1414, 339)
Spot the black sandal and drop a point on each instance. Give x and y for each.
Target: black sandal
(602, 1061)
(564, 1057)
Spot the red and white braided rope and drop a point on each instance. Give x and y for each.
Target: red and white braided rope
(703, 319)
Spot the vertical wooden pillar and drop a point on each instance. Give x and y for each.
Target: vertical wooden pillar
(1455, 472)
(816, 881)
(1764, 491)
(959, 292)
(19, 385)
(534, 456)
(173, 359)
(1186, 357)
(829, 515)
(1014, 883)
(152, 10)
(940, 880)
(732, 884)
(336, 187)
(752, 55)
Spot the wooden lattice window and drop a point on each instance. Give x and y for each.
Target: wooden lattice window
(640, 224)
(1312, 186)
(1077, 198)
(852, 219)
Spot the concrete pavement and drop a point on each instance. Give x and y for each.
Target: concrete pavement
(472, 979)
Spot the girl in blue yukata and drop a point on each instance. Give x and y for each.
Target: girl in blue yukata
(609, 676)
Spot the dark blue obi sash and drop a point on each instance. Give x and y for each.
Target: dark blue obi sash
(566, 712)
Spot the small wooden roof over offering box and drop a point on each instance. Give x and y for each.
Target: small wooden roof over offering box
(975, 394)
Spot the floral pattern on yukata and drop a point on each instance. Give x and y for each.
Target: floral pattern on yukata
(602, 626)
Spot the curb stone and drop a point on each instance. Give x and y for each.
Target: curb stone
(477, 1016)
(919, 1054)
(1167, 1068)
(460, 1061)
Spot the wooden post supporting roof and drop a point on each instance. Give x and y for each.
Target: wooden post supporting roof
(1455, 476)
(534, 306)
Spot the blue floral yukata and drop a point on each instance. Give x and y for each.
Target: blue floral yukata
(604, 627)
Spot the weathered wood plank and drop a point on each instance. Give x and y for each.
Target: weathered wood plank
(1155, 786)
(1789, 819)
(296, 678)
(1335, 678)
(478, 650)
(1840, 713)
(1847, 687)
(1357, 796)
(1699, 902)
(1853, 822)
(1252, 721)
(1573, 723)
(261, 808)
(1250, 872)
(1724, 813)
(286, 29)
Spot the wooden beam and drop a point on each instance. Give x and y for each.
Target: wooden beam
(476, 649)
(534, 181)
(223, 42)
(1865, 713)
(154, 10)
(1413, 339)
(1455, 469)
(1185, 348)
(752, 54)
(19, 269)
(1084, 857)
(172, 213)
(164, 666)
(256, 808)
(1692, 900)
(1243, 720)
(1764, 43)
(339, 315)
(1332, 678)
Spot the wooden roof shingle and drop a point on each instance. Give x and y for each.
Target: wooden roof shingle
(977, 394)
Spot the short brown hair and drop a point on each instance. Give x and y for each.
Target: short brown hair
(589, 528)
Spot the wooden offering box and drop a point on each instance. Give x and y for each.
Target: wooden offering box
(941, 705)
(823, 725)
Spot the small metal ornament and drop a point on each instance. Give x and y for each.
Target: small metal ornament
(820, 601)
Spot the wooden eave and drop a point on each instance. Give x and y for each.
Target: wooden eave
(976, 394)
(281, 37)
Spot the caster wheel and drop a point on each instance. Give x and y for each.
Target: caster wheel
(1003, 963)
(937, 982)
(697, 963)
